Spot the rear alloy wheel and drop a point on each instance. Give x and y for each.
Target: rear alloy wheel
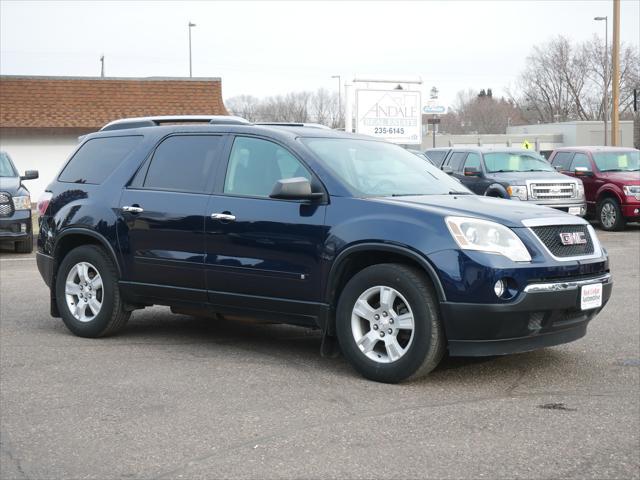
(87, 293)
(610, 215)
(388, 324)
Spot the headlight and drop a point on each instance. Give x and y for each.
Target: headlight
(517, 191)
(485, 236)
(632, 191)
(22, 203)
(579, 190)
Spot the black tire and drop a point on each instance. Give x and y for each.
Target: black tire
(428, 345)
(24, 246)
(112, 316)
(610, 215)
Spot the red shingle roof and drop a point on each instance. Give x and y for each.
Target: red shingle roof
(91, 102)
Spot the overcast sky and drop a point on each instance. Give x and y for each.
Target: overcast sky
(266, 48)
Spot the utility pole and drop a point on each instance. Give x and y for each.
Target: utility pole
(339, 94)
(615, 87)
(102, 65)
(190, 70)
(605, 106)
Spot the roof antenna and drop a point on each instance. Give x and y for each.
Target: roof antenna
(102, 65)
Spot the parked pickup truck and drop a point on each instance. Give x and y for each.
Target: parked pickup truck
(15, 206)
(611, 179)
(515, 174)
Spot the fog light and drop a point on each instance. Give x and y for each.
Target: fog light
(499, 288)
(23, 227)
(535, 321)
(636, 211)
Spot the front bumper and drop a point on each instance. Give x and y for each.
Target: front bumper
(631, 211)
(16, 227)
(543, 315)
(564, 206)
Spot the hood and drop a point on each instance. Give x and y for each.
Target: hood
(520, 178)
(506, 212)
(622, 178)
(10, 184)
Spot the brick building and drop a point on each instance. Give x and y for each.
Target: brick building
(41, 118)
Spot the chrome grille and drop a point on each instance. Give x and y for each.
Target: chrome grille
(552, 191)
(6, 205)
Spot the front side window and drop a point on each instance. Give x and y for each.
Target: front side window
(372, 168)
(6, 169)
(580, 160)
(563, 160)
(98, 158)
(256, 165)
(457, 158)
(473, 161)
(617, 161)
(184, 163)
(516, 162)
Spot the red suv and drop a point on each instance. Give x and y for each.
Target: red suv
(611, 179)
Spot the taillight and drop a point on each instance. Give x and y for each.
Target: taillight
(43, 202)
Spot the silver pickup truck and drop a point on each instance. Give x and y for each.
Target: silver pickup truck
(516, 174)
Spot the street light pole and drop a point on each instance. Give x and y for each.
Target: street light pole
(190, 70)
(339, 94)
(605, 107)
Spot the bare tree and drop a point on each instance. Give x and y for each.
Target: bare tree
(305, 106)
(480, 113)
(563, 81)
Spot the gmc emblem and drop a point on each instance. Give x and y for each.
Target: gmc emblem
(573, 238)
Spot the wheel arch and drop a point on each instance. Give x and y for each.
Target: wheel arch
(353, 259)
(608, 192)
(74, 237)
(496, 190)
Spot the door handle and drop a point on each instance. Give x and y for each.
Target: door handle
(224, 217)
(129, 209)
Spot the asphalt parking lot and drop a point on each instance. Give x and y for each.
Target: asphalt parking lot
(180, 397)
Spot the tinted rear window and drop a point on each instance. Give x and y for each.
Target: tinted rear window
(97, 158)
(184, 163)
(436, 156)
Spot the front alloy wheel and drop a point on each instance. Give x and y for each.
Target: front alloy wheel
(610, 215)
(388, 324)
(382, 324)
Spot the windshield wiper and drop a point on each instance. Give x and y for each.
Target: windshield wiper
(453, 192)
(538, 170)
(503, 171)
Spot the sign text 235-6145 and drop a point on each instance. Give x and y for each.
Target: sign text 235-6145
(385, 130)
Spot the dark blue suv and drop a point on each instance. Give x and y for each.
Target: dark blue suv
(357, 237)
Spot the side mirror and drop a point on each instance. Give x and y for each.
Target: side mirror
(29, 175)
(298, 188)
(447, 169)
(472, 172)
(582, 172)
(558, 168)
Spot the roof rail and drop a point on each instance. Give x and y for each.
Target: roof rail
(292, 124)
(138, 122)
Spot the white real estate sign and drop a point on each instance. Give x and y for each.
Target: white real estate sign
(392, 115)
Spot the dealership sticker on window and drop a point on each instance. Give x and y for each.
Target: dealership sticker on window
(591, 296)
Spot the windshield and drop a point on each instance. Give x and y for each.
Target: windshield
(617, 161)
(372, 168)
(516, 162)
(6, 169)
